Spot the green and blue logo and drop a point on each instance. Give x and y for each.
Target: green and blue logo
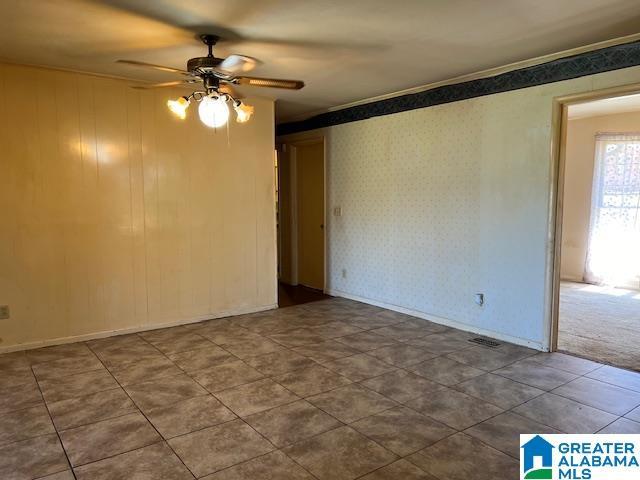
(579, 457)
(537, 459)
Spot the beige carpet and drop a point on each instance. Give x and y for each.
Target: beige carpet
(600, 323)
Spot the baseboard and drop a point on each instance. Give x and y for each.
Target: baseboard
(441, 320)
(141, 328)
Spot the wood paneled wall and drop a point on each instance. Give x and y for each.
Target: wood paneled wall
(116, 215)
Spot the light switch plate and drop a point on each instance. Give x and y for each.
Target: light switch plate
(4, 312)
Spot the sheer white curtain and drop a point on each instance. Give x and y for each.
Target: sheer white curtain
(613, 254)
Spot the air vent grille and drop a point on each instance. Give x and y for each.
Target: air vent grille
(485, 342)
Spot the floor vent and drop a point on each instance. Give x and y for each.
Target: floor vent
(485, 342)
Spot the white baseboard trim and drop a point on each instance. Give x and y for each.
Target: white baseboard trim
(140, 328)
(442, 321)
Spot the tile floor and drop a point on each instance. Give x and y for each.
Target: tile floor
(332, 389)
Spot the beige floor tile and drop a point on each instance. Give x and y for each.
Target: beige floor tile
(24, 424)
(366, 341)
(400, 470)
(189, 415)
(404, 331)
(534, 374)
(14, 361)
(600, 395)
(57, 352)
(564, 414)
(622, 426)
(181, 343)
(561, 361)
(106, 438)
(11, 377)
(92, 408)
(17, 397)
(440, 343)
(326, 351)
(32, 458)
(255, 397)
(148, 368)
(279, 362)
(402, 355)
(401, 386)
(274, 465)
(122, 355)
(155, 462)
(66, 475)
(453, 408)
(292, 422)
(311, 381)
(359, 367)
(351, 403)
(461, 457)
(366, 322)
(67, 366)
(297, 337)
(503, 432)
(402, 430)
(483, 358)
(254, 347)
(214, 448)
(617, 376)
(336, 329)
(225, 376)
(498, 390)
(77, 385)
(164, 391)
(445, 371)
(340, 454)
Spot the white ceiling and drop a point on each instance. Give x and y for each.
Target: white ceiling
(345, 50)
(607, 106)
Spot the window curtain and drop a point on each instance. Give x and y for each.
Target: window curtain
(613, 252)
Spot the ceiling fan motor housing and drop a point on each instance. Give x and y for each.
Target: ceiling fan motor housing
(203, 65)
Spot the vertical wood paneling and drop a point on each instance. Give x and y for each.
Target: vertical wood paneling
(116, 215)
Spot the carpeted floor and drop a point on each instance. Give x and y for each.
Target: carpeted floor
(600, 323)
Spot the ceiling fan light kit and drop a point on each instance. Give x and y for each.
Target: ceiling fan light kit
(218, 75)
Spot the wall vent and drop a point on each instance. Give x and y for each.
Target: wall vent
(485, 342)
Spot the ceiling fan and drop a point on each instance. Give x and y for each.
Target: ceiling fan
(217, 75)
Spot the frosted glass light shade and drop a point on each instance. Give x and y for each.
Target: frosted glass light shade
(214, 112)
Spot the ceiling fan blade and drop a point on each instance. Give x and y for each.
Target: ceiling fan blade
(164, 84)
(156, 67)
(237, 64)
(228, 89)
(270, 82)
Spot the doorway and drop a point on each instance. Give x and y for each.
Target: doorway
(598, 263)
(301, 221)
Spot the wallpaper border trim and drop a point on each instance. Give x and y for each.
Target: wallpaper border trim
(588, 63)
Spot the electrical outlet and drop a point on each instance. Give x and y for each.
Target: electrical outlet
(4, 312)
(337, 211)
(479, 299)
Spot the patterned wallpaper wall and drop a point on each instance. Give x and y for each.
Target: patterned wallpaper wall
(442, 202)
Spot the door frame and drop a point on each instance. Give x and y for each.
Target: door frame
(289, 147)
(557, 177)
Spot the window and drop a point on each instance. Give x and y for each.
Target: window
(614, 236)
